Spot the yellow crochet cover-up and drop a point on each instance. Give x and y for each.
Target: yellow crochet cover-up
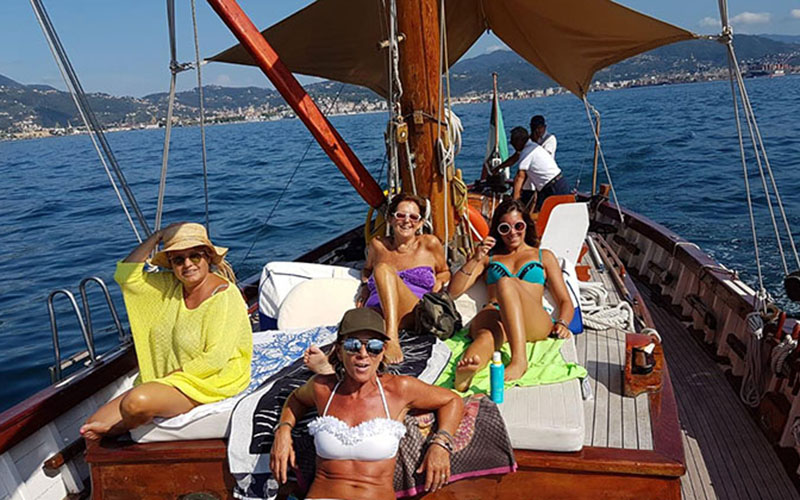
(212, 345)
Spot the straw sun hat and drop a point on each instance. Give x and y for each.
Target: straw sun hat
(191, 235)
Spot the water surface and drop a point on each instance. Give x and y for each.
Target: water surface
(672, 152)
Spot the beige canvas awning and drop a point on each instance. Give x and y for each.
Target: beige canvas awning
(569, 40)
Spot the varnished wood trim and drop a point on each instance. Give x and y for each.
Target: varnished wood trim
(593, 459)
(110, 451)
(27, 417)
(693, 258)
(559, 485)
(72, 450)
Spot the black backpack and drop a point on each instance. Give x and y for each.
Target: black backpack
(436, 313)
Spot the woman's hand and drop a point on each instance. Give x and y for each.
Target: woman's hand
(282, 454)
(561, 330)
(436, 466)
(363, 294)
(484, 247)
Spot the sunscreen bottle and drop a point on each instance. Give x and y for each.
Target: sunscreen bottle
(496, 375)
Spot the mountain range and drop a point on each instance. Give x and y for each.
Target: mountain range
(44, 106)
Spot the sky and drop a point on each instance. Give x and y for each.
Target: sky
(122, 47)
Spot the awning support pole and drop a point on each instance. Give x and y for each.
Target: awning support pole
(268, 60)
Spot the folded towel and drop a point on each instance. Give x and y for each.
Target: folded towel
(546, 365)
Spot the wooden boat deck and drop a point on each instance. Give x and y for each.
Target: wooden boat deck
(612, 420)
(727, 455)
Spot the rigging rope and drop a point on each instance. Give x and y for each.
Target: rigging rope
(202, 112)
(752, 389)
(602, 157)
(286, 186)
(599, 316)
(446, 154)
(175, 68)
(759, 150)
(395, 93)
(87, 115)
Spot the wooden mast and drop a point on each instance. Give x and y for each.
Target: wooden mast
(418, 20)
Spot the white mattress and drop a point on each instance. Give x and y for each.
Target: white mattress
(546, 417)
(212, 425)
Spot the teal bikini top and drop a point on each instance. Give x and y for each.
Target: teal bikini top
(531, 272)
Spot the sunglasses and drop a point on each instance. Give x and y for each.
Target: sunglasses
(179, 260)
(504, 227)
(404, 216)
(353, 345)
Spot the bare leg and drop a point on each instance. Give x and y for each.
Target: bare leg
(106, 420)
(316, 361)
(487, 336)
(511, 311)
(136, 407)
(397, 302)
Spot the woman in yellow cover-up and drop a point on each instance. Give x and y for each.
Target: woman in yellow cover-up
(190, 328)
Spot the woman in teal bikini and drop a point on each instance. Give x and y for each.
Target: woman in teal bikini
(516, 274)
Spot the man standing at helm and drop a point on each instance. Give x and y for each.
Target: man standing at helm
(540, 136)
(538, 172)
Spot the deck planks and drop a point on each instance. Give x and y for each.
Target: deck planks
(611, 420)
(727, 456)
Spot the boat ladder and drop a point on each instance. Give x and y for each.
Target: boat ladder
(87, 356)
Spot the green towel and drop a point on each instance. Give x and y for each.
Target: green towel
(546, 365)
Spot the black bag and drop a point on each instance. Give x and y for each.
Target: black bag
(436, 313)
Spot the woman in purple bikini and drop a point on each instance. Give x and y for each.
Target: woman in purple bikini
(399, 270)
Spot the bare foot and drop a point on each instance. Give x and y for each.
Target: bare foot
(316, 361)
(515, 371)
(93, 431)
(465, 370)
(393, 354)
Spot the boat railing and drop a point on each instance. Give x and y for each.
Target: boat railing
(123, 337)
(86, 356)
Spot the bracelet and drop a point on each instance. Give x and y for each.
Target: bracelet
(461, 270)
(443, 433)
(446, 447)
(291, 426)
(563, 323)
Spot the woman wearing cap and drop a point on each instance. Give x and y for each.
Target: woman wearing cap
(361, 412)
(190, 329)
(517, 273)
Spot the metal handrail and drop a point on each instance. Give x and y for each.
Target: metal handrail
(87, 312)
(56, 370)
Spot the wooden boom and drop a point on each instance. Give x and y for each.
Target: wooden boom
(294, 94)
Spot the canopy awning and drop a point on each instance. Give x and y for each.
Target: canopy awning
(569, 40)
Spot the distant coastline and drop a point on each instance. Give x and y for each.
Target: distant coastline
(376, 105)
(36, 111)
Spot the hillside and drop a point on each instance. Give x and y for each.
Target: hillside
(28, 107)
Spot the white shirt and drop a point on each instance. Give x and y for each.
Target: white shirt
(549, 143)
(538, 164)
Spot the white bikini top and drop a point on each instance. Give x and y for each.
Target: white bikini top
(369, 441)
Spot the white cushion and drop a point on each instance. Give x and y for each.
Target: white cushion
(213, 425)
(315, 302)
(278, 279)
(546, 417)
(566, 230)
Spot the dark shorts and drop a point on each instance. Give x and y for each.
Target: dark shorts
(559, 186)
(525, 196)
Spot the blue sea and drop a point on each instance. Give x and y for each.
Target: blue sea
(672, 151)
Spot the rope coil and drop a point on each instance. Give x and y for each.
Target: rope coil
(599, 316)
(752, 390)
